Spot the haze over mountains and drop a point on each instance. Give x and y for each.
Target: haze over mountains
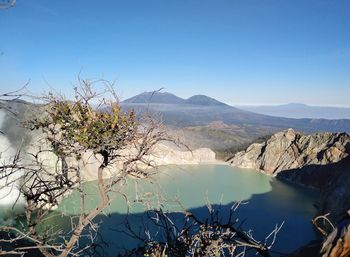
(202, 121)
(202, 110)
(298, 110)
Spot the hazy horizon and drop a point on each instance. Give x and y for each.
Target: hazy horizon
(279, 104)
(245, 104)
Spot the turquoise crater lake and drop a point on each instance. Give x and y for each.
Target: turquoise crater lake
(267, 202)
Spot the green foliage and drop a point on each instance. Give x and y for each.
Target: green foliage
(225, 154)
(74, 127)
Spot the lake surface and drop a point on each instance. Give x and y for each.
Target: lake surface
(267, 202)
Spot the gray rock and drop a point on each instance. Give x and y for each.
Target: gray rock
(320, 160)
(289, 149)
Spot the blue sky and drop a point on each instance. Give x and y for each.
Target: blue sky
(240, 52)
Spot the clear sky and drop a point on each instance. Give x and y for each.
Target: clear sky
(238, 51)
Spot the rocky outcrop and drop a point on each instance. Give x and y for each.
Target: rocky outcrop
(320, 160)
(289, 149)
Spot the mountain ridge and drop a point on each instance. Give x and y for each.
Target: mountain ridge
(169, 98)
(155, 97)
(202, 110)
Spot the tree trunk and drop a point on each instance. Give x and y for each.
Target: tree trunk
(85, 220)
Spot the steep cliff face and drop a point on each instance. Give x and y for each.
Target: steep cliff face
(288, 150)
(335, 197)
(320, 160)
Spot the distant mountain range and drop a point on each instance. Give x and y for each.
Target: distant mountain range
(168, 98)
(202, 121)
(201, 110)
(297, 110)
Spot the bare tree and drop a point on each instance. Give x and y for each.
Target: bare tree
(91, 124)
(336, 241)
(186, 234)
(12, 96)
(96, 126)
